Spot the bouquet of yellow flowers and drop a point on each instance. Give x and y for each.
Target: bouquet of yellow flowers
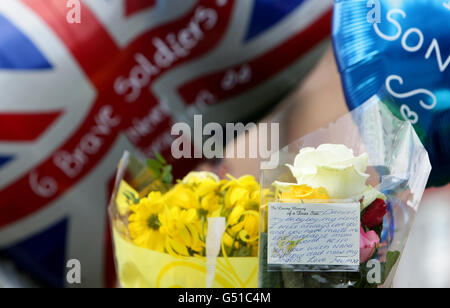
(199, 232)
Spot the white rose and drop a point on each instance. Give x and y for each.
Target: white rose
(334, 167)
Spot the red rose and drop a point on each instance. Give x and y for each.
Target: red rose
(374, 214)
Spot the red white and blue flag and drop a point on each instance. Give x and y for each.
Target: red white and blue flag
(74, 96)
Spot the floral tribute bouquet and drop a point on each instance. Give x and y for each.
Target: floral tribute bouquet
(342, 202)
(199, 232)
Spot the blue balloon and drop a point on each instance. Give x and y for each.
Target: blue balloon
(402, 47)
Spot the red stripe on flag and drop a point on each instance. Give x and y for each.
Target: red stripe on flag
(262, 68)
(22, 127)
(82, 39)
(134, 6)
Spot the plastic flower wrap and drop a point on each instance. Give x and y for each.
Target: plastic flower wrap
(342, 202)
(200, 232)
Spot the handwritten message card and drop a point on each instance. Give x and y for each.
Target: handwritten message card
(314, 234)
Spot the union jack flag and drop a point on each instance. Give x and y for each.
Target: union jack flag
(74, 96)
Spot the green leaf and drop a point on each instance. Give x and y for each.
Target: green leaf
(166, 175)
(155, 166)
(131, 198)
(162, 171)
(391, 258)
(160, 158)
(242, 252)
(152, 163)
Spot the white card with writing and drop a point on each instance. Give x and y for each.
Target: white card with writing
(314, 234)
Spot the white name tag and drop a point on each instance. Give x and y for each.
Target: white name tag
(314, 234)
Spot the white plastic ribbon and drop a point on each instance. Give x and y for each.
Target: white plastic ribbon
(216, 229)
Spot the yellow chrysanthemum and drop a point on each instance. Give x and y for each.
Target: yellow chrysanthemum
(211, 204)
(144, 224)
(183, 229)
(248, 227)
(229, 241)
(235, 215)
(244, 226)
(182, 196)
(251, 225)
(206, 187)
(177, 222)
(243, 191)
(209, 195)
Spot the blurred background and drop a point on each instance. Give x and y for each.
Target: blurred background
(426, 259)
